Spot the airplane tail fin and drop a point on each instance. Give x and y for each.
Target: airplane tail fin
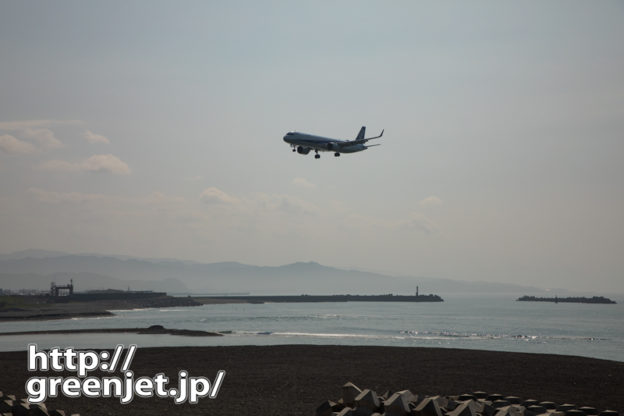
(361, 134)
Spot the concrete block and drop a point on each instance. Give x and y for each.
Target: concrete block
(486, 408)
(498, 403)
(466, 396)
(349, 392)
(536, 409)
(465, 408)
(480, 394)
(326, 408)
(452, 404)
(367, 402)
(442, 401)
(398, 403)
(428, 407)
(589, 410)
(511, 410)
(38, 409)
(20, 409)
(347, 411)
(5, 406)
(548, 405)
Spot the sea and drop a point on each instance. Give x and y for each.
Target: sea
(497, 323)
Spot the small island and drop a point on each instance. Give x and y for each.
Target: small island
(576, 299)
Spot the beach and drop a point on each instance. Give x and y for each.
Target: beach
(296, 379)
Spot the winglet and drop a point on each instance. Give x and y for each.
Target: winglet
(376, 137)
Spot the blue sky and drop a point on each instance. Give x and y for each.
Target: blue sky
(154, 129)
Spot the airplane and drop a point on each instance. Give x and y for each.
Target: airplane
(302, 143)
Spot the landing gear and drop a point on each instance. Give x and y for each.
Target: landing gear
(336, 154)
(317, 156)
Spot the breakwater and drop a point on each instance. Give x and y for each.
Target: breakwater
(320, 298)
(595, 299)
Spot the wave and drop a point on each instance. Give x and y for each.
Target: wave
(418, 335)
(475, 335)
(313, 334)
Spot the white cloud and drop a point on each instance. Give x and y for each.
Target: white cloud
(95, 138)
(214, 195)
(45, 137)
(97, 163)
(11, 145)
(36, 131)
(430, 201)
(303, 183)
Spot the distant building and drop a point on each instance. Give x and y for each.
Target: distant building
(66, 290)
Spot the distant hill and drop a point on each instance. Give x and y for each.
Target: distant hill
(36, 269)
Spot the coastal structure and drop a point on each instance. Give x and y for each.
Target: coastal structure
(358, 401)
(66, 290)
(556, 299)
(322, 298)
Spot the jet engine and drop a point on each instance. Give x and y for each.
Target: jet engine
(331, 146)
(303, 150)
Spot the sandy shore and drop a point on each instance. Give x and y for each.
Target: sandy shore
(295, 379)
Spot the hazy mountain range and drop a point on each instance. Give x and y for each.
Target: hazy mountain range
(36, 269)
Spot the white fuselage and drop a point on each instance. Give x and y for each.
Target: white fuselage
(322, 144)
